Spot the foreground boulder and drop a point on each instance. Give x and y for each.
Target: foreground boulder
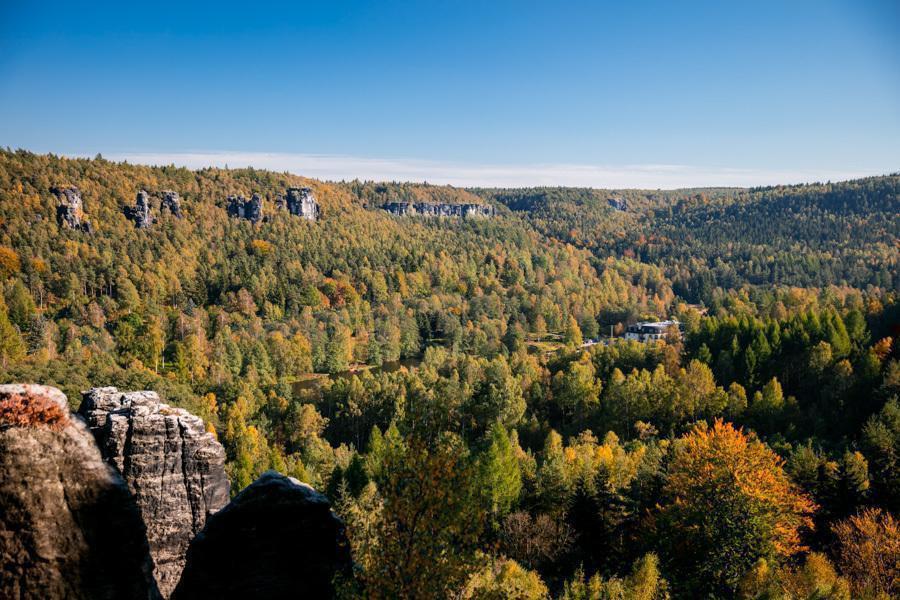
(173, 466)
(69, 528)
(278, 538)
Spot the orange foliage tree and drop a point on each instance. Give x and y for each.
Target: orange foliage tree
(10, 264)
(728, 504)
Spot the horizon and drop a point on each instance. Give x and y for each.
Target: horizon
(505, 95)
(337, 168)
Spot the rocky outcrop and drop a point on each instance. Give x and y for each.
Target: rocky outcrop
(429, 209)
(301, 202)
(174, 468)
(618, 203)
(69, 528)
(171, 202)
(140, 212)
(70, 208)
(240, 207)
(277, 539)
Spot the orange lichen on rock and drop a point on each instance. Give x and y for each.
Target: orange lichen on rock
(31, 410)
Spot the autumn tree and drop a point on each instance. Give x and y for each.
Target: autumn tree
(643, 583)
(497, 398)
(503, 579)
(572, 335)
(576, 390)
(869, 553)
(10, 263)
(814, 579)
(339, 349)
(431, 520)
(728, 504)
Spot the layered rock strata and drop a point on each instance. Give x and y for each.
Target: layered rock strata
(172, 465)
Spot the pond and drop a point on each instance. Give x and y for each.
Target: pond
(316, 380)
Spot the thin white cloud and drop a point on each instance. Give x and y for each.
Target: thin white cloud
(337, 167)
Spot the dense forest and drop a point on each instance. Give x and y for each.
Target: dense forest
(805, 236)
(431, 376)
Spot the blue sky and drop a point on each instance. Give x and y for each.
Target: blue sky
(649, 94)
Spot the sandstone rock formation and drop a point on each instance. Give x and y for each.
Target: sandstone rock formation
(302, 203)
(618, 203)
(240, 207)
(140, 212)
(171, 202)
(277, 539)
(70, 208)
(429, 209)
(174, 468)
(69, 528)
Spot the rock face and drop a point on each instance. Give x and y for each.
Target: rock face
(302, 203)
(70, 208)
(240, 207)
(140, 212)
(174, 468)
(171, 202)
(428, 209)
(277, 539)
(69, 528)
(618, 203)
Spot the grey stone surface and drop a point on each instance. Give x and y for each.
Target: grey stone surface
(428, 209)
(251, 209)
(172, 465)
(140, 212)
(277, 539)
(69, 528)
(618, 203)
(171, 202)
(302, 203)
(70, 208)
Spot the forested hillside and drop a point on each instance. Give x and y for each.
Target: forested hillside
(430, 374)
(812, 235)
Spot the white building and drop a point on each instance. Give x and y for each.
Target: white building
(648, 331)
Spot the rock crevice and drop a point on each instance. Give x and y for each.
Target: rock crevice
(172, 465)
(140, 212)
